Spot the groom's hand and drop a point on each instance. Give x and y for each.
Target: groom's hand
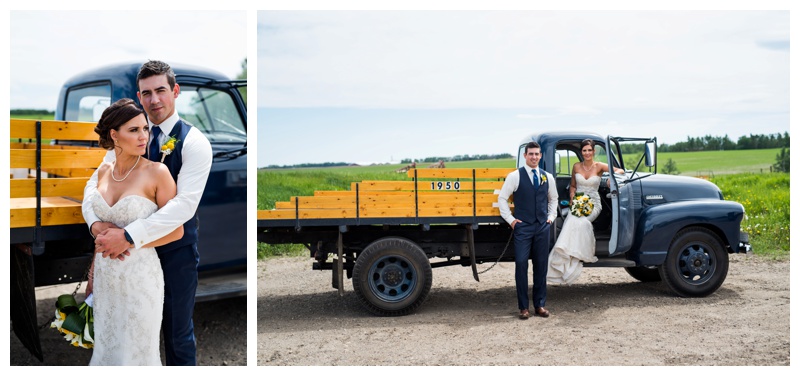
(515, 223)
(112, 243)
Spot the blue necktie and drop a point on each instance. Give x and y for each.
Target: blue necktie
(535, 179)
(154, 147)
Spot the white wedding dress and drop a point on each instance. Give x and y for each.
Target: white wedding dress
(128, 294)
(575, 243)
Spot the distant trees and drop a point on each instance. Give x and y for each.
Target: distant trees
(243, 76)
(782, 161)
(306, 165)
(670, 168)
(457, 158)
(708, 142)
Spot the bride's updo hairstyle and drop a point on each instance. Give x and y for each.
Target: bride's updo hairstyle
(120, 112)
(587, 142)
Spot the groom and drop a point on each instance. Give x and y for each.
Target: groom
(535, 205)
(189, 163)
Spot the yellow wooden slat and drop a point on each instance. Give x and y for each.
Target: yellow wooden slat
(463, 173)
(54, 130)
(69, 172)
(57, 158)
(424, 185)
(50, 187)
(377, 213)
(55, 211)
(32, 145)
(432, 200)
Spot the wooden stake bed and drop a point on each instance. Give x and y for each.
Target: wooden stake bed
(51, 190)
(459, 195)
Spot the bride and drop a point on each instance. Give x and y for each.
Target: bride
(575, 244)
(128, 291)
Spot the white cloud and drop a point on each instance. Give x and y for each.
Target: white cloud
(455, 59)
(48, 47)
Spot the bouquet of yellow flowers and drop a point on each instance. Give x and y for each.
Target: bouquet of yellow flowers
(74, 322)
(581, 205)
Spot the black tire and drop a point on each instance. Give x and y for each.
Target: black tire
(392, 277)
(644, 274)
(696, 263)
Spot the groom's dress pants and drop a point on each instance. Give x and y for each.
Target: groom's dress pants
(180, 284)
(531, 241)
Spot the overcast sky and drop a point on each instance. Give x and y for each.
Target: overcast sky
(49, 47)
(379, 86)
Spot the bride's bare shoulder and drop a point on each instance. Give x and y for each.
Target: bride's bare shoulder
(104, 168)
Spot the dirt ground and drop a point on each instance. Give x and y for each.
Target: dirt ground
(606, 318)
(220, 328)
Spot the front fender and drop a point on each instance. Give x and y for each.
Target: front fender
(658, 225)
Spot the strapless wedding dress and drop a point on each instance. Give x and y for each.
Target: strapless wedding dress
(128, 294)
(575, 244)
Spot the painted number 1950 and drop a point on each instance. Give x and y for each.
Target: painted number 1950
(445, 185)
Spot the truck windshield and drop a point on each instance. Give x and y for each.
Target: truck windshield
(213, 112)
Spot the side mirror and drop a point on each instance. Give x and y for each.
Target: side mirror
(649, 154)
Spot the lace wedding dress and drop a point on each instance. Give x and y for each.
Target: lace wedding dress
(128, 294)
(575, 243)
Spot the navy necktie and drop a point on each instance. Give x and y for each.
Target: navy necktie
(154, 147)
(535, 179)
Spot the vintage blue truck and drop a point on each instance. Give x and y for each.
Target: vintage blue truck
(387, 236)
(50, 250)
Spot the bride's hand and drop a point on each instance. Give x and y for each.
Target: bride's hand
(101, 227)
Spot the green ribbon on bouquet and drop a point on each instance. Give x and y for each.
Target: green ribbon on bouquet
(75, 322)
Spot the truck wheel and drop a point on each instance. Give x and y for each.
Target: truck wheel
(696, 263)
(392, 277)
(644, 274)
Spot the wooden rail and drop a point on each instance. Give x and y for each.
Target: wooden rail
(51, 190)
(458, 192)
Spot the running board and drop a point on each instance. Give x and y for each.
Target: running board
(221, 286)
(610, 263)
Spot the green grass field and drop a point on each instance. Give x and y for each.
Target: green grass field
(33, 116)
(741, 175)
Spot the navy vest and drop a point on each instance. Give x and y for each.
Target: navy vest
(174, 161)
(530, 204)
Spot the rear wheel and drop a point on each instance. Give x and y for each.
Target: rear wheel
(696, 263)
(392, 277)
(644, 274)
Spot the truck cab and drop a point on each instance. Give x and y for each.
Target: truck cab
(213, 104)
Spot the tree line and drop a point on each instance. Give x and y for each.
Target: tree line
(458, 158)
(708, 142)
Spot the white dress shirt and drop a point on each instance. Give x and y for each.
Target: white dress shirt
(512, 183)
(196, 165)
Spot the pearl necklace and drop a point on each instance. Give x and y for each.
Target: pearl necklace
(586, 169)
(129, 171)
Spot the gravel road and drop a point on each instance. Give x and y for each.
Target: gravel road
(606, 318)
(220, 328)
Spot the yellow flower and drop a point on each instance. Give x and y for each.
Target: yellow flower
(168, 147)
(582, 205)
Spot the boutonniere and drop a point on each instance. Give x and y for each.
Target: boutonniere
(168, 147)
(544, 178)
